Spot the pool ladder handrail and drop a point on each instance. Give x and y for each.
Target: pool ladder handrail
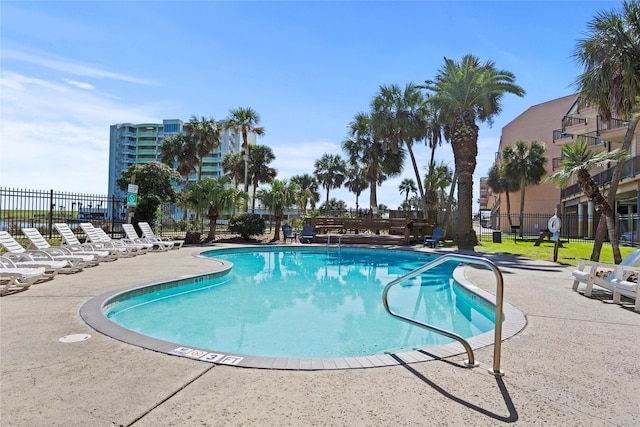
(470, 362)
(339, 240)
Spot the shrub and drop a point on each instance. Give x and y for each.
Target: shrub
(247, 225)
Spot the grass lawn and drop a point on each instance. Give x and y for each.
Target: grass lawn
(568, 254)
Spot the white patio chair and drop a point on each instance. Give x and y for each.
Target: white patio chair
(13, 248)
(130, 232)
(148, 233)
(38, 241)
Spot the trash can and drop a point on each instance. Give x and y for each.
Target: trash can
(497, 237)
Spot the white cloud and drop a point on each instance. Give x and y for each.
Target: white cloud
(68, 66)
(56, 136)
(80, 85)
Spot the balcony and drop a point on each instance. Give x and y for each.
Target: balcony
(612, 130)
(630, 169)
(591, 138)
(562, 137)
(574, 125)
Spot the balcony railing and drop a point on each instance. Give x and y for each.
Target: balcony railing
(630, 169)
(561, 134)
(568, 121)
(607, 125)
(591, 138)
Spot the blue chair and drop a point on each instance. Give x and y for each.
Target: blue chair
(308, 235)
(287, 234)
(435, 239)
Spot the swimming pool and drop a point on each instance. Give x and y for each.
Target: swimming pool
(306, 304)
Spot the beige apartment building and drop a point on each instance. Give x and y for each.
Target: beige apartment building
(555, 123)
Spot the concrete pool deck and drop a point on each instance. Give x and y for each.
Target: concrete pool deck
(575, 363)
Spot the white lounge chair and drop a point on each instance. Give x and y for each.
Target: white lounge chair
(51, 267)
(13, 248)
(142, 247)
(130, 232)
(18, 278)
(593, 273)
(628, 289)
(148, 233)
(69, 240)
(39, 242)
(95, 236)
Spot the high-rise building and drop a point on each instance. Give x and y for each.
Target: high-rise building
(131, 144)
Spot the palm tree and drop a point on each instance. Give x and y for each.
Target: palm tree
(364, 149)
(437, 181)
(280, 197)
(206, 134)
(233, 165)
(307, 191)
(330, 171)
(525, 162)
(578, 160)
(407, 186)
(214, 195)
(356, 181)
(610, 55)
(244, 121)
(399, 118)
(463, 93)
(180, 152)
(500, 182)
(259, 171)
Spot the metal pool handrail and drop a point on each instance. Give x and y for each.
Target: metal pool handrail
(499, 302)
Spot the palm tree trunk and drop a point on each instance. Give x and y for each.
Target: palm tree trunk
(611, 196)
(447, 212)
(327, 202)
(423, 200)
(509, 209)
(373, 196)
(465, 150)
(523, 184)
(213, 220)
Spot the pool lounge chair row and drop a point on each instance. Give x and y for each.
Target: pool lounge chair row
(21, 267)
(616, 278)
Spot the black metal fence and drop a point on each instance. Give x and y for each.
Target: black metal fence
(42, 208)
(574, 228)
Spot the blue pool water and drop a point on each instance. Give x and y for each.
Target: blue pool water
(307, 303)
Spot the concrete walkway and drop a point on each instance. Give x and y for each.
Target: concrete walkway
(576, 364)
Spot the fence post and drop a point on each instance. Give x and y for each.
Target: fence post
(51, 207)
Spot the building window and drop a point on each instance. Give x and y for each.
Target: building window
(171, 128)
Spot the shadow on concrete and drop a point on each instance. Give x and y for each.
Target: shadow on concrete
(513, 413)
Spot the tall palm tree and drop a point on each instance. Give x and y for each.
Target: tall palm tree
(437, 181)
(525, 162)
(206, 134)
(330, 171)
(233, 165)
(364, 149)
(180, 152)
(578, 160)
(307, 191)
(500, 182)
(407, 186)
(214, 195)
(610, 55)
(463, 93)
(259, 171)
(356, 181)
(400, 118)
(280, 197)
(244, 121)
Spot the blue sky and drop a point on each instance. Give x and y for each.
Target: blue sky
(71, 69)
